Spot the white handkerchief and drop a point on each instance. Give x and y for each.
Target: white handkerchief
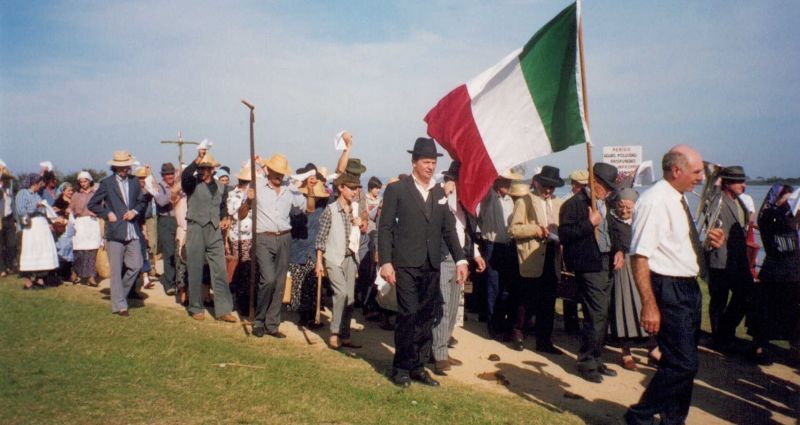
(355, 232)
(338, 142)
(443, 200)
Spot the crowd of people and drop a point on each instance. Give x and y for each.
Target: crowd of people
(630, 261)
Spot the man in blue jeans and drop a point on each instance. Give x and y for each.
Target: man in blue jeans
(667, 259)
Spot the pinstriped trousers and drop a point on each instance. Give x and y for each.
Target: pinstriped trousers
(451, 294)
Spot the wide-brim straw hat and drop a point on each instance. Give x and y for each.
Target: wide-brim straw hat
(278, 163)
(5, 174)
(510, 175)
(244, 174)
(519, 189)
(122, 159)
(141, 172)
(319, 190)
(208, 161)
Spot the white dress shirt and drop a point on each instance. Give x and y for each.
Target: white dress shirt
(423, 189)
(661, 232)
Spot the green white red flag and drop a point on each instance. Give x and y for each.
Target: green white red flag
(528, 105)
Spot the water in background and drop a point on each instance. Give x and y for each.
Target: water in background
(757, 192)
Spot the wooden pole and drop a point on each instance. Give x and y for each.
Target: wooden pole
(254, 209)
(319, 300)
(586, 109)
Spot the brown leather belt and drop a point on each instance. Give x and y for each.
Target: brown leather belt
(275, 233)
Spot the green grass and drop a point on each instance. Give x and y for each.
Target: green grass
(65, 359)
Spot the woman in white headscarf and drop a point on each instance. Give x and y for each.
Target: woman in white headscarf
(38, 254)
(87, 237)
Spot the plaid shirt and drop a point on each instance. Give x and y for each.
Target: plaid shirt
(325, 226)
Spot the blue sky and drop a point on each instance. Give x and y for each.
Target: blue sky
(79, 80)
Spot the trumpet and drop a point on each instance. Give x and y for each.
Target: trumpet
(706, 216)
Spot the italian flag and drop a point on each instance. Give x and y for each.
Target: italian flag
(528, 105)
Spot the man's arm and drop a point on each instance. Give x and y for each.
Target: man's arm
(386, 224)
(651, 316)
(573, 225)
(342, 164)
(519, 229)
(163, 196)
(188, 180)
(96, 204)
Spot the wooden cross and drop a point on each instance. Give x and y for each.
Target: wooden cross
(180, 142)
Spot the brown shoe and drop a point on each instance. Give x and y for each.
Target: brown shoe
(229, 318)
(440, 366)
(199, 316)
(334, 343)
(454, 362)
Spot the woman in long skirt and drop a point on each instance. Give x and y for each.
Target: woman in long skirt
(64, 231)
(87, 237)
(38, 255)
(626, 305)
(239, 242)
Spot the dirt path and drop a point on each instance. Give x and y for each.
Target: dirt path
(726, 390)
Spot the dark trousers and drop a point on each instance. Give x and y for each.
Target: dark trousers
(419, 300)
(535, 296)
(502, 269)
(167, 226)
(725, 316)
(670, 391)
(8, 244)
(594, 291)
(272, 253)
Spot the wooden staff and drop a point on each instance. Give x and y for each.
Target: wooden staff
(254, 209)
(319, 300)
(586, 110)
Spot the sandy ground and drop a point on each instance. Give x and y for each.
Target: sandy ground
(727, 390)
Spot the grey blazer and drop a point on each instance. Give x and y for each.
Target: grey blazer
(733, 254)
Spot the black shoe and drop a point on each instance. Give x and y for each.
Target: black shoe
(549, 349)
(277, 334)
(763, 358)
(592, 376)
(424, 378)
(517, 344)
(403, 381)
(259, 331)
(604, 370)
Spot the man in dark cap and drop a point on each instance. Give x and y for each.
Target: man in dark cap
(728, 265)
(584, 234)
(168, 194)
(414, 222)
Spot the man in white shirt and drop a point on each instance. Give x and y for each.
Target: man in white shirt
(667, 259)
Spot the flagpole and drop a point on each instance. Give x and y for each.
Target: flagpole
(585, 106)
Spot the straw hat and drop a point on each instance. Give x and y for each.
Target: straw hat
(278, 163)
(122, 159)
(519, 189)
(208, 161)
(244, 174)
(579, 176)
(510, 175)
(141, 172)
(319, 190)
(322, 172)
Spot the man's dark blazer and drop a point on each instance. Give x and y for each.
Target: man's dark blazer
(411, 229)
(576, 233)
(108, 198)
(733, 254)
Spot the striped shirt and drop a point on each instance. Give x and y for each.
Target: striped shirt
(28, 203)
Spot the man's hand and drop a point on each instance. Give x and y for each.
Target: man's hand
(716, 238)
(480, 264)
(651, 317)
(619, 260)
(348, 140)
(200, 154)
(112, 218)
(225, 224)
(387, 273)
(545, 232)
(462, 272)
(319, 269)
(129, 215)
(595, 217)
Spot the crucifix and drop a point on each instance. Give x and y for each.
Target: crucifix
(180, 142)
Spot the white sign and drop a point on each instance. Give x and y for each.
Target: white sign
(625, 158)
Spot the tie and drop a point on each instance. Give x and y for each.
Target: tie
(695, 238)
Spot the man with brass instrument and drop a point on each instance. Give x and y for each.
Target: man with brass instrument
(667, 260)
(728, 265)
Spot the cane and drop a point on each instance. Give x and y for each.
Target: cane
(254, 209)
(319, 299)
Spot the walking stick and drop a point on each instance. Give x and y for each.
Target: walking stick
(319, 299)
(254, 209)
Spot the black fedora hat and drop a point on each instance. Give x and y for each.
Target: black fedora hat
(606, 173)
(167, 168)
(452, 172)
(425, 148)
(549, 176)
(734, 173)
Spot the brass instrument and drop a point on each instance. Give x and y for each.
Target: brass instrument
(706, 216)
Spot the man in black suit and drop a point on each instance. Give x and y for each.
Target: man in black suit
(414, 221)
(587, 246)
(119, 201)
